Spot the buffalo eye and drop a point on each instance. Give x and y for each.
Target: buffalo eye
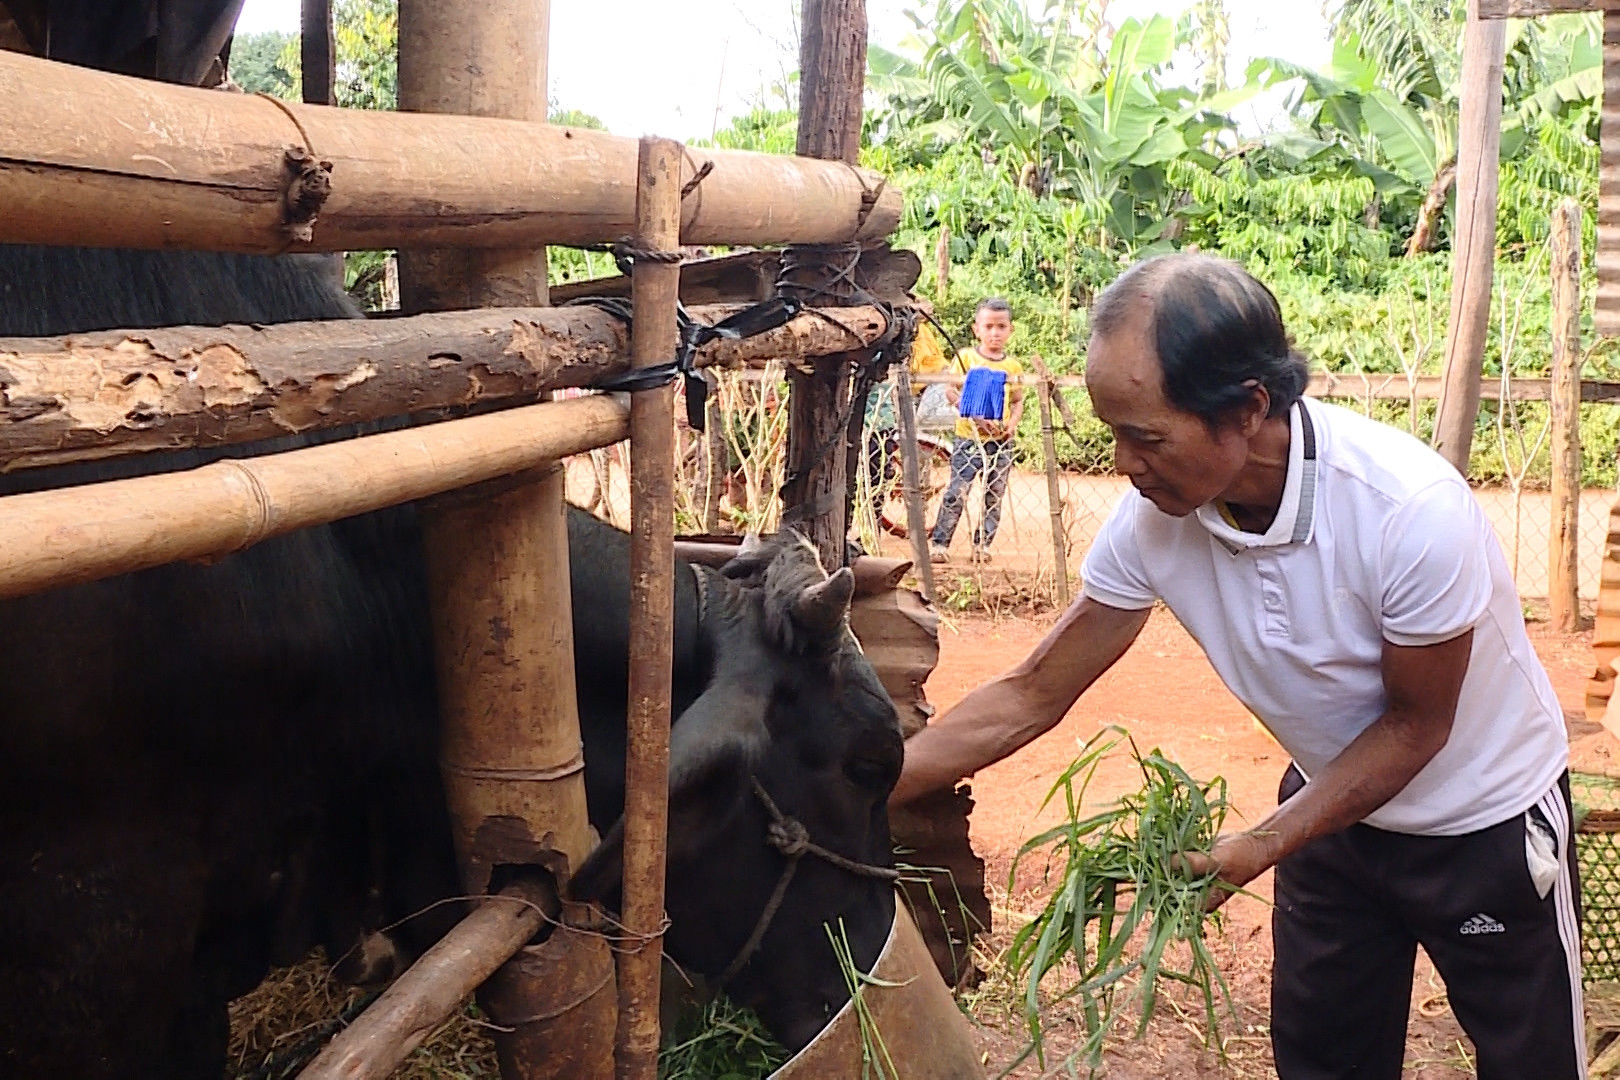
(872, 773)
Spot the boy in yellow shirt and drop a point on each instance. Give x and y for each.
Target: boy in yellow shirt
(984, 434)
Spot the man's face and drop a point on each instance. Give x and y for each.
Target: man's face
(992, 329)
(1169, 455)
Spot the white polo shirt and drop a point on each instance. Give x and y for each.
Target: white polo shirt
(1377, 538)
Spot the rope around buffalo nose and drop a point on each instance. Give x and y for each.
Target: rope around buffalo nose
(789, 836)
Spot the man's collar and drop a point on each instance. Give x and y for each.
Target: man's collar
(1296, 514)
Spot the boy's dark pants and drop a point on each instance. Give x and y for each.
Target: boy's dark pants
(968, 457)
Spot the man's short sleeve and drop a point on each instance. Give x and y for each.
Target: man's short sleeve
(1112, 572)
(1436, 570)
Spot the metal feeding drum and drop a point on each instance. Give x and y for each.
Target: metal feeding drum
(909, 1014)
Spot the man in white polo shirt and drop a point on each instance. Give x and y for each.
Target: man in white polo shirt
(1346, 586)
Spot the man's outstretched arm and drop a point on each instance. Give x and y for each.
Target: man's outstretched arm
(1013, 709)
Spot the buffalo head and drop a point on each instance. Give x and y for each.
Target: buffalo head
(792, 724)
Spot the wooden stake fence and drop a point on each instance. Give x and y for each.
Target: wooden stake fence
(106, 161)
(655, 290)
(911, 479)
(1054, 494)
(1563, 560)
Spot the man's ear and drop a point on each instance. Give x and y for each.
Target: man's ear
(1254, 412)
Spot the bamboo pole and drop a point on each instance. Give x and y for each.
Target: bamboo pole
(1054, 495)
(1474, 242)
(499, 579)
(1563, 560)
(421, 999)
(510, 748)
(911, 480)
(126, 391)
(73, 535)
(655, 291)
(104, 160)
(487, 60)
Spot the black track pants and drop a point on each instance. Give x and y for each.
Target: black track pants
(1351, 909)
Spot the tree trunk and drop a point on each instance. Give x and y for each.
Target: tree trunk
(1427, 234)
(832, 81)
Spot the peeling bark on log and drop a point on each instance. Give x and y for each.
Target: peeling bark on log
(121, 392)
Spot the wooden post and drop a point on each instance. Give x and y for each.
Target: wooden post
(318, 67)
(1474, 243)
(1054, 494)
(942, 263)
(832, 84)
(715, 457)
(656, 287)
(911, 479)
(317, 54)
(1563, 561)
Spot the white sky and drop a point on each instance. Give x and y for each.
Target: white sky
(608, 57)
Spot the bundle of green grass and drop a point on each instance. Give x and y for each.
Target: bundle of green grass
(1120, 904)
(722, 1041)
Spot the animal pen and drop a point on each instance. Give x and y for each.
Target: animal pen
(471, 184)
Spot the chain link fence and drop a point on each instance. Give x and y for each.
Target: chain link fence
(729, 480)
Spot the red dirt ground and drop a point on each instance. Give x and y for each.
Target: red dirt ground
(1165, 693)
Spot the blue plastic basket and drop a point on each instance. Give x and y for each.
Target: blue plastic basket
(984, 392)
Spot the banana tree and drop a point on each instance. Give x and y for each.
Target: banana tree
(1096, 129)
(1406, 144)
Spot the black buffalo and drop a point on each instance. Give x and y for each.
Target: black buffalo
(207, 770)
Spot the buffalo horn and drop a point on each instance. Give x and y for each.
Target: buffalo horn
(821, 607)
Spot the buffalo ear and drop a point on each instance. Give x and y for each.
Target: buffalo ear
(709, 752)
